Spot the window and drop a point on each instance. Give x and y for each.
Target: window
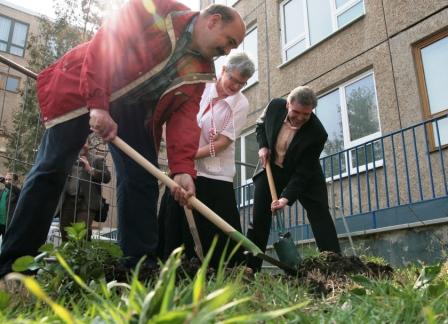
(246, 157)
(13, 36)
(226, 2)
(246, 151)
(307, 22)
(349, 113)
(250, 47)
(432, 70)
(9, 83)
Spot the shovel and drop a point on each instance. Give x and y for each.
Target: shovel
(203, 209)
(198, 205)
(285, 248)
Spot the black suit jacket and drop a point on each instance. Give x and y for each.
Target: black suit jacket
(301, 163)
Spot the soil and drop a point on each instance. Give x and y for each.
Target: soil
(331, 271)
(323, 274)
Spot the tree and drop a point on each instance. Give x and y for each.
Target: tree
(75, 22)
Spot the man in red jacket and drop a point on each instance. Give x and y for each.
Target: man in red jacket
(143, 68)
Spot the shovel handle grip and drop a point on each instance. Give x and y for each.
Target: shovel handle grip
(271, 182)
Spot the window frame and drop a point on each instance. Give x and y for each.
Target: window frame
(229, 3)
(335, 13)
(4, 77)
(350, 168)
(253, 28)
(423, 90)
(11, 33)
(244, 180)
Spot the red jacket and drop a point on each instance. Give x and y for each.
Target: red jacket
(127, 50)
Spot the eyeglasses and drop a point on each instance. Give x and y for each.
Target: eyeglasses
(236, 81)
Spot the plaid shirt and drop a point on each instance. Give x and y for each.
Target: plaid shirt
(151, 90)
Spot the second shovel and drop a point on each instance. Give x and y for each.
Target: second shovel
(285, 248)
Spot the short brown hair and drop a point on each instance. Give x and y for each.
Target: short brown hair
(303, 95)
(227, 13)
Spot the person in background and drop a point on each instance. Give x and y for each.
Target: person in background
(291, 139)
(8, 199)
(81, 199)
(143, 68)
(222, 116)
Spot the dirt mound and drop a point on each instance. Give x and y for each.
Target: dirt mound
(322, 274)
(330, 271)
(188, 268)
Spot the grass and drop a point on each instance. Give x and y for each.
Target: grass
(412, 295)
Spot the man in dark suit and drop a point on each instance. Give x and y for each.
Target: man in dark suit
(291, 139)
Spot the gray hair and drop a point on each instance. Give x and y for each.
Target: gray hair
(227, 14)
(303, 95)
(241, 62)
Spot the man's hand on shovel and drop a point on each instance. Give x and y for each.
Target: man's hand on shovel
(184, 190)
(102, 124)
(278, 205)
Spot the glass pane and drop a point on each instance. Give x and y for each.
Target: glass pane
(334, 165)
(19, 34)
(2, 46)
(351, 14)
(251, 154)
(362, 109)
(294, 20)
(440, 129)
(340, 3)
(12, 84)
(435, 63)
(329, 112)
(319, 20)
(250, 45)
(5, 25)
(251, 48)
(16, 50)
(295, 50)
(219, 62)
(364, 153)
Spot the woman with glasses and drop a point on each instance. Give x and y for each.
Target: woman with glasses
(222, 116)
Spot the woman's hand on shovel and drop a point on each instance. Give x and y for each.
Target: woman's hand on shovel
(278, 204)
(184, 190)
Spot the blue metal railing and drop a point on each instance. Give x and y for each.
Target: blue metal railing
(395, 179)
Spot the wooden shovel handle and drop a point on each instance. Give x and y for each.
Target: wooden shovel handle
(170, 183)
(271, 182)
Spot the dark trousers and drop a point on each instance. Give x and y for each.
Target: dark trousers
(173, 228)
(137, 189)
(317, 212)
(37, 203)
(219, 196)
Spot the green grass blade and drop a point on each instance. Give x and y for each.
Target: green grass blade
(33, 286)
(266, 316)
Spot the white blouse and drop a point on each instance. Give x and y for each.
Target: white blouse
(229, 117)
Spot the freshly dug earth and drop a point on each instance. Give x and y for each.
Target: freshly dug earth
(323, 274)
(330, 271)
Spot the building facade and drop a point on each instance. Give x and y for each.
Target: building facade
(380, 69)
(16, 26)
